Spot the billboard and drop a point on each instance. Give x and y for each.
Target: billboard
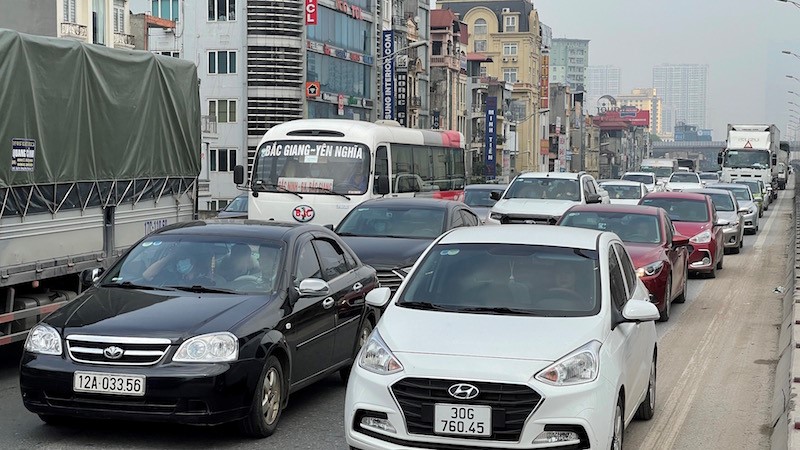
(402, 95)
(311, 12)
(491, 137)
(387, 88)
(634, 116)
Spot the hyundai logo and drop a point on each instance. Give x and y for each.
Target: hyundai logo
(113, 352)
(463, 391)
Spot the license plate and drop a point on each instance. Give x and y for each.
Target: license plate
(108, 383)
(462, 420)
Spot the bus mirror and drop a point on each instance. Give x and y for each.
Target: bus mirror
(238, 175)
(719, 158)
(382, 185)
(774, 159)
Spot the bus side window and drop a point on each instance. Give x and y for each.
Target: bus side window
(381, 165)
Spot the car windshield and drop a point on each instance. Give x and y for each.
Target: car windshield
(213, 263)
(506, 279)
(742, 194)
(312, 167)
(678, 177)
(680, 209)
(755, 159)
(639, 178)
(709, 176)
(722, 202)
(661, 172)
(637, 228)
(393, 221)
(545, 188)
(622, 191)
(755, 188)
(239, 204)
(480, 197)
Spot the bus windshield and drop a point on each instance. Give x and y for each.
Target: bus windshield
(756, 159)
(661, 172)
(312, 167)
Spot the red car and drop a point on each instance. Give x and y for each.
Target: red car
(694, 215)
(659, 253)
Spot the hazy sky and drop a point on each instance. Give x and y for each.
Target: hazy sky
(740, 40)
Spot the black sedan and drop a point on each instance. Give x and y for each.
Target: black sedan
(203, 322)
(390, 234)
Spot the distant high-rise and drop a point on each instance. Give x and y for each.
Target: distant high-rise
(569, 59)
(600, 81)
(683, 89)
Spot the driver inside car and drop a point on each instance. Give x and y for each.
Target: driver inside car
(238, 263)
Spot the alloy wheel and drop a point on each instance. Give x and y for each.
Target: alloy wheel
(271, 399)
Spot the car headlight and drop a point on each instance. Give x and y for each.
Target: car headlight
(650, 269)
(701, 238)
(496, 216)
(209, 348)
(377, 358)
(44, 340)
(732, 225)
(580, 366)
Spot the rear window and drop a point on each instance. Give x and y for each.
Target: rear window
(722, 202)
(681, 210)
(639, 178)
(638, 228)
(623, 192)
(678, 177)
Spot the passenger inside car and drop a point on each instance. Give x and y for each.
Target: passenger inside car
(238, 263)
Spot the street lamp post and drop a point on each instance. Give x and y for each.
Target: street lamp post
(401, 50)
(793, 77)
(794, 93)
(796, 4)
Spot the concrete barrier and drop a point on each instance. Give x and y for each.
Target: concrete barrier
(785, 415)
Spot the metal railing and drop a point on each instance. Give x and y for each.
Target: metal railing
(69, 29)
(121, 39)
(208, 124)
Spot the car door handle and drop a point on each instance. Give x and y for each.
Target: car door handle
(328, 303)
(357, 287)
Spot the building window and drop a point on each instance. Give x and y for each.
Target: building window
(165, 9)
(69, 11)
(510, 75)
(223, 110)
(480, 27)
(174, 54)
(511, 24)
(119, 16)
(510, 49)
(480, 46)
(221, 159)
(483, 72)
(221, 10)
(222, 62)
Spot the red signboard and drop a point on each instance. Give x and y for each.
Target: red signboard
(641, 118)
(311, 12)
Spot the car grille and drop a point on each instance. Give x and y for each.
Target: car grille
(390, 278)
(511, 404)
(135, 351)
(514, 219)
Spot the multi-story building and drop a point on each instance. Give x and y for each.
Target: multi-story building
(449, 40)
(683, 88)
(546, 34)
(600, 81)
(103, 22)
(569, 59)
(506, 33)
(646, 99)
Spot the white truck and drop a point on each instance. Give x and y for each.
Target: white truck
(662, 167)
(751, 152)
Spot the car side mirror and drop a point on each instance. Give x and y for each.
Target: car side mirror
(774, 159)
(640, 311)
(679, 241)
(379, 297)
(329, 226)
(238, 175)
(593, 198)
(721, 223)
(495, 195)
(382, 185)
(314, 287)
(91, 276)
(719, 158)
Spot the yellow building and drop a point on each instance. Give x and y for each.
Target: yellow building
(508, 33)
(646, 100)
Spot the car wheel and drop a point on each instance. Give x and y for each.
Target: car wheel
(682, 297)
(667, 301)
(265, 411)
(363, 335)
(648, 406)
(619, 426)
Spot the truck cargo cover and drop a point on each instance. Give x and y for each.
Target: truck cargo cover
(750, 140)
(75, 112)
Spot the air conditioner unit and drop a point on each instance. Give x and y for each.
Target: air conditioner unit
(169, 30)
(505, 59)
(506, 10)
(514, 59)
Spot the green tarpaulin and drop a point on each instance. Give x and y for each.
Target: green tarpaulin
(81, 112)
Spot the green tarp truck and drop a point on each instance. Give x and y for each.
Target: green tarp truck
(98, 147)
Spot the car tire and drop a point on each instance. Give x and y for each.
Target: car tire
(648, 406)
(269, 394)
(721, 260)
(55, 420)
(667, 301)
(618, 426)
(682, 297)
(363, 335)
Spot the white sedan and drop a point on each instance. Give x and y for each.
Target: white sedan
(684, 180)
(621, 192)
(521, 336)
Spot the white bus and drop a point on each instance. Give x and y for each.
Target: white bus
(317, 170)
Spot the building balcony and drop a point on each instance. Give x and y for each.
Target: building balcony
(122, 40)
(415, 102)
(208, 125)
(449, 61)
(74, 31)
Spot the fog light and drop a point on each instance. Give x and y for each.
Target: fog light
(558, 437)
(377, 423)
(706, 261)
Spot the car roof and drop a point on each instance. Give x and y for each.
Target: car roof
(677, 195)
(559, 175)
(546, 235)
(419, 202)
(622, 182)
(638, 173)
(470, 187)
(625, 209)
(262, 229)
(728, 185)
(708, 191)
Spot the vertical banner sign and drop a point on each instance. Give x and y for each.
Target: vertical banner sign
(436, 119)
(387, 44)
(23, 155)
(311, 12)
(340, 110)
(562, 152)
(491, 137)
(402, 95)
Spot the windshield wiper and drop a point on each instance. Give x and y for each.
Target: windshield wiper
(428, 306)
(330, 191)
(346, 233)
(203, 289)
(129, 285)
(497, 310)
(280, 188)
